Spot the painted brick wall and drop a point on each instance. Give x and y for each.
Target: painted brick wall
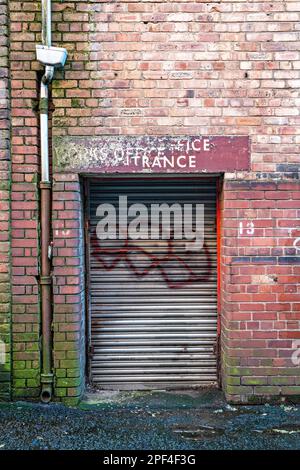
(5, 331)
(187, 67)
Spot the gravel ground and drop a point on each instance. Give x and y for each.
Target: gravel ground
(149, 421)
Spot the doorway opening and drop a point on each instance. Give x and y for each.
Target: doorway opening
(152, 296)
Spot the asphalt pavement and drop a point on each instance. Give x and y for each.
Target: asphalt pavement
(149, 421)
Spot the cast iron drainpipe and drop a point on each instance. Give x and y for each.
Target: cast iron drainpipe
(45, 278)
(50, 57)
(45, 194)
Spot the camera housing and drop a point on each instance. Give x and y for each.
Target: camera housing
(51, 56)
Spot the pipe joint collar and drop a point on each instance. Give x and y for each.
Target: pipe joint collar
(47, 378)
(45, 185)
(45, 280)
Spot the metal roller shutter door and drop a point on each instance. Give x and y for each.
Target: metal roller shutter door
(153, 304)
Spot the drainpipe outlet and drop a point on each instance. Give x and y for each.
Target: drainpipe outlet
(46, 392)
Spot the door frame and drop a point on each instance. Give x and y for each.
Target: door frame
(85, 180)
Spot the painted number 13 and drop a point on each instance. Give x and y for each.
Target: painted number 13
(246, 228)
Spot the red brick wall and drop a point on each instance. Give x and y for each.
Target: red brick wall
(183, 68)
(5, 333)
(24, 25)
(260, 289)
(167, 68)
(69, 285)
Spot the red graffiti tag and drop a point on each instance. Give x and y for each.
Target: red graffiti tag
(129, 248)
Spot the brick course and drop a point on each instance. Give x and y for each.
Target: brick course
(166, 68)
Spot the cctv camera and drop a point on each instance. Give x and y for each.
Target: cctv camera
(51, 56)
